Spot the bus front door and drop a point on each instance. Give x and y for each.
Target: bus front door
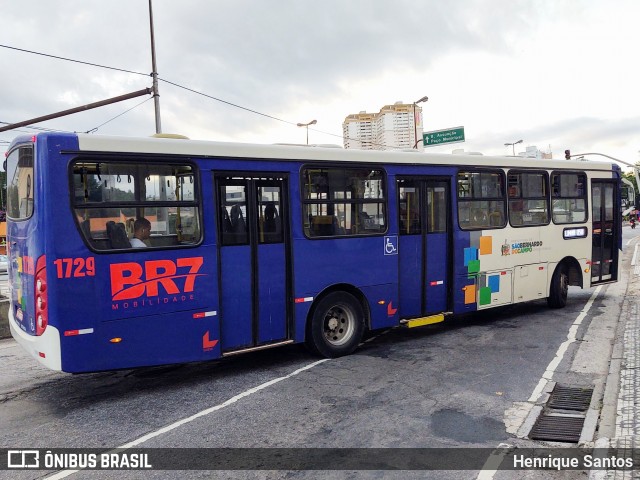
(424, 249)
(604, 257)
(254, 266)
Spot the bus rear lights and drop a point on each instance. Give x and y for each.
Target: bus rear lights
(578, 232)
(42, 355)
(41, 307)
(116, 340)
(41, 325)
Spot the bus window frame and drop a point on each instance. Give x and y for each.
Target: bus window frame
(384, 201)
(584, 196)
(17, 148)
(124, 159)
(547, 197)
(504, 198)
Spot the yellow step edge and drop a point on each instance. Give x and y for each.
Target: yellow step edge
(420, 322)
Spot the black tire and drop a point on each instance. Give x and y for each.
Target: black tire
(559, 288)
(336, 326)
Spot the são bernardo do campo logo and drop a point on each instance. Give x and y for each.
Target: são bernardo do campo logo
(519, 247)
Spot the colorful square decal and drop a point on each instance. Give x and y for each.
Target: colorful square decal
(470, 254)
(494, 283)
(474, 266)
(469, 294)
(486, 245)
(485, 296)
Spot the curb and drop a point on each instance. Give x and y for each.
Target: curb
(4, 319)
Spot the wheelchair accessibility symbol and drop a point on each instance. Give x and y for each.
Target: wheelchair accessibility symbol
(391, 245)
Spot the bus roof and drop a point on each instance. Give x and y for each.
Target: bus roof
(173, 146)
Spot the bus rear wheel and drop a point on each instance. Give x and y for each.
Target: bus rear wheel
(337, 325)
(559, 288)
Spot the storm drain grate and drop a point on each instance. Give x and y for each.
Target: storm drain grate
(570, 398)
(564, 415)
(557, 428)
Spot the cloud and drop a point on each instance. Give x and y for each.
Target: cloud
(504, 70)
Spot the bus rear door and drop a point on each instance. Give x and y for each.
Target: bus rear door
(254, 261)
(604, 258)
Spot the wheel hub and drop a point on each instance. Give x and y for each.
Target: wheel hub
(333, 323)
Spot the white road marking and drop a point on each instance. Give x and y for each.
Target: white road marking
(571, 337)
(184, 421)
(498, 455)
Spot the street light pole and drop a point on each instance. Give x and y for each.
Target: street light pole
(312, 122)
(154, 73)
(636, 168)
(415, 124)
(513, 145)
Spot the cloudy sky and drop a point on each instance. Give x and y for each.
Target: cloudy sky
(556, 73)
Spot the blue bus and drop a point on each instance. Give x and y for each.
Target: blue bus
(130, 252)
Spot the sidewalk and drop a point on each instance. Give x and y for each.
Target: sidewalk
(623, 383)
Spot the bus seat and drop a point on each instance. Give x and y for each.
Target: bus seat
(322, 226)
(117, 235)
(237, 220)
(496, 219)
(226, 221)
(85, 226)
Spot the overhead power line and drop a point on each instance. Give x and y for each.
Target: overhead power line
(74, 61)
(57, 57)
(226, 102)
(117, 116)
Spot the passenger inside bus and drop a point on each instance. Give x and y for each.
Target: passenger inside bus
(270, 218)
(141, 233)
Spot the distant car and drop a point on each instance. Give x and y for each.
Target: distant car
(4, 263)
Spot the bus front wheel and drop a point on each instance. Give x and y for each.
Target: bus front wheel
(337, 325)
(559, 288)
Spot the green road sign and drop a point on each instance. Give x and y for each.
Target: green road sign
(438, 137)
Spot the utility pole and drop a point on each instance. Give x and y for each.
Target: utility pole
(154, 73)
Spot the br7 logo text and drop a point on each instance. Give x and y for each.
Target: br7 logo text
(132, 280)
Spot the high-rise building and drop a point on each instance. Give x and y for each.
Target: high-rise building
(357, 131)
(393, 127)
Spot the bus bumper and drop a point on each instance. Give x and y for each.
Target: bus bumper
(45, 348)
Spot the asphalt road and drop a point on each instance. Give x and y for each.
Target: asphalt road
(447, 385)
